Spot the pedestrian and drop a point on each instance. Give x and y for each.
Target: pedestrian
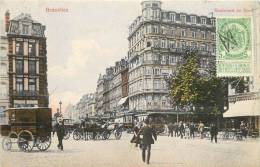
(213, 132)
(187, 131)
(243, 129)
(192, 130)
(170, 129)
(176, 129)
(136, 138)
(60, 130)
(201, 129)
(181, 129)
(148, 134)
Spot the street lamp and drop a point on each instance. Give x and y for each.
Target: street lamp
(60, 105)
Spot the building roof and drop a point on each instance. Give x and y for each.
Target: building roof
(25, 17)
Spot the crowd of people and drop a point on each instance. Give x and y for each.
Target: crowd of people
(187, 130)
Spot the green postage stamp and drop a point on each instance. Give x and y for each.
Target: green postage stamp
(234, 47)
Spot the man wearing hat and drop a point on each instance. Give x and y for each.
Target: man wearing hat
(59, 128)
(148, 134)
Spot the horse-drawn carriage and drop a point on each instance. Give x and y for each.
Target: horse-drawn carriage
(97, 130)
(26, 127)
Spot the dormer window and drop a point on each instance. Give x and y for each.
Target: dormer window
(172, 16)
(193, 19)
(183, 18)
(213, 22)
(25, 29)
(203, 21)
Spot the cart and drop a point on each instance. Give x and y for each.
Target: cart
(26, 127)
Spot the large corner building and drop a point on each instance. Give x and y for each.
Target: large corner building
(157, 40)
(27, 61)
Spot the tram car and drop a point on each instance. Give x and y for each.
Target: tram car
(26, 127)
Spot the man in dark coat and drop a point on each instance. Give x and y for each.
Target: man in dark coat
(60, 130)
(213, 132)
(148, 134)
(181, 129)
(192, 130)
(170, 129)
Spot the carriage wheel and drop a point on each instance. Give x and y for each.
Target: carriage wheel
(67, 135)
(25, 141)
(105, 135)
(6, 144)
(118, 134)
(76, 135)
(43, 143)
(90, 135)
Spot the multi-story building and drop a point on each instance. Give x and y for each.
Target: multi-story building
(27, 62)
(99, 95)
(92, 107)
(84, 107)
(4, 99)
(157, 40)
(112, 89)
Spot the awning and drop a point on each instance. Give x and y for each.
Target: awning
(122, 101)
(243, 109)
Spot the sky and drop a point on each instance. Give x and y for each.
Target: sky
(92, 35)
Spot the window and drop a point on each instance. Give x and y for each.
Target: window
(213, 22)
(19, 66)
(19, 48)
(172, 31)
(183, 18)
(155, 29)
(163, 43)
(19, 85)
(3, 90)
(193, 19)
(32, 49)
(172, 59)
(32, 84)
(203, 21)
(172, 17)
(25, 29)
(183, 45)
(32, 67)
(203, 47)
(193, 45)
(148, 44)
(213, 48)
(183, 32)
(203, 34)
(193, 34)
(3, 69)
(156, 84)
(171, 44)
(213, 37)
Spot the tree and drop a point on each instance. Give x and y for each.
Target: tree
(192, 87)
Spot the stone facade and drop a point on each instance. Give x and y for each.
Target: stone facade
(111, 88)
(4, 82)
(157, 40)
(27, 59)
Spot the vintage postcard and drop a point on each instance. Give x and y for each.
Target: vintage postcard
(129, 83)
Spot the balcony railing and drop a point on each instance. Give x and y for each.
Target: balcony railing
(244, 96)
(26, 93)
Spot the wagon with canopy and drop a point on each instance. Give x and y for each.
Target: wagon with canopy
(26, 127)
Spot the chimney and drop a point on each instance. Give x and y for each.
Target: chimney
(7, 20)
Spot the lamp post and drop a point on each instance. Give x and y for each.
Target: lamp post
(60, 106)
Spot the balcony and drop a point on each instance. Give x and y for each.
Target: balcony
(25, 93)
(244, 96)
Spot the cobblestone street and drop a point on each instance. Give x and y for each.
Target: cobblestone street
(166, 152)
